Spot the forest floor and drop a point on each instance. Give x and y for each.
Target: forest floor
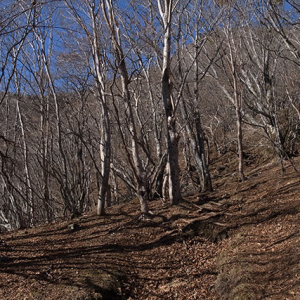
(240, 242)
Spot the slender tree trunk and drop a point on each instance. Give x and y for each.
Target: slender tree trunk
(157, 135)
(170, 109)
(64, 182)
(105, 144)
(159, 179)
(26, 169)
(105, 149)
(45, 156)
(200, 155)
(237, 102)
(165, 193)
(28, 194)
(139, 172)
(240, 141)
(174, 177)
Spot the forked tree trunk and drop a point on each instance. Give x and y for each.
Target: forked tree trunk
(99, 68)
(105, 143)
(170, 109)
(199, 148)
(139, 172)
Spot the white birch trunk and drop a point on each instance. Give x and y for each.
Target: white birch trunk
(139, 172)
(237, 103)
(29, 195)
(170, 110)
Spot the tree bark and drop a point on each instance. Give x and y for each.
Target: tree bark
(139, 172)
(105, 153)
(237, 102)
(170, 109)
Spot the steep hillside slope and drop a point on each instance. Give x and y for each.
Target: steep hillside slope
(240, 242)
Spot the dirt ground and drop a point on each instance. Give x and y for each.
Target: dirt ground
(240, 242)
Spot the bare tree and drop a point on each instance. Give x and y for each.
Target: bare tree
(91, 25)
(138, 168)
(166, 9)
(193, 65)
(17, 21)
